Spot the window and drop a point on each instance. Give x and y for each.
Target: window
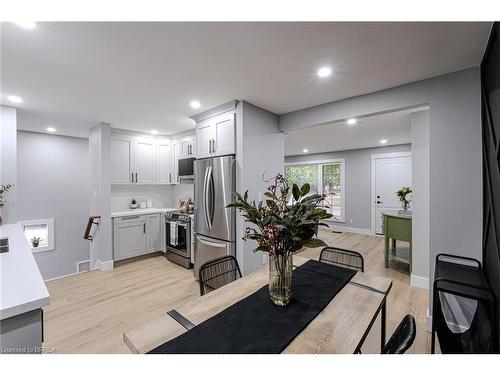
(324, 177)
(39, 234)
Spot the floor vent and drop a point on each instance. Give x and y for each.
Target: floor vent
(83, 266)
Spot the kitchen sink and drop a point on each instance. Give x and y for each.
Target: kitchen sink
(4, 245)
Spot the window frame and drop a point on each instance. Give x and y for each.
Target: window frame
(49, 222)
(319, 164)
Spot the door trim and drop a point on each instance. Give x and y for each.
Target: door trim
(372, 194)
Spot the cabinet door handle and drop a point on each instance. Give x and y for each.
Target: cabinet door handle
(213, 145)
(136, 177)
(144, 228)
(132, 174)
(170, 177)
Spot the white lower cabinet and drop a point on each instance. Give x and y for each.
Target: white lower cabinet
(154, 233)
(129, 236)
(137, 235)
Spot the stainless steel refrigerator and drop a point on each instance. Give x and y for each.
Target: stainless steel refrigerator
(214, 224)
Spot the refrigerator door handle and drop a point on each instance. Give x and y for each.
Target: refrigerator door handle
(209, 198)
(213, 244)
(205, 193)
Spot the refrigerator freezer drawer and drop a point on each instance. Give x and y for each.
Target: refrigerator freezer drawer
(206, 248)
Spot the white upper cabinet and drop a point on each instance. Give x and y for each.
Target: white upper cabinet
(187, 148)
(122, 159)
(176, 155)
(224, 141)
(164, 164)
(205, 135)
(216, 136)
(145, 161)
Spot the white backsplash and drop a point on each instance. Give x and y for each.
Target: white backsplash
(163, 196)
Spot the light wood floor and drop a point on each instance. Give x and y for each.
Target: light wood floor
(89, 312)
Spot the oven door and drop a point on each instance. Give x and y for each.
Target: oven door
(178, 239)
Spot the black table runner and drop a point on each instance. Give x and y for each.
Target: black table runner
(255, 325)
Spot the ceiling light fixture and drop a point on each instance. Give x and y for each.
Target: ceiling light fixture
(352, 121)
(324, 72)
(154, 132)
(15, 99)
(50, 129)
(195, 104)
(383, 141)
(26, 24)
(305, 151)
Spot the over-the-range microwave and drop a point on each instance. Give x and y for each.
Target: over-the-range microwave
(186, 168)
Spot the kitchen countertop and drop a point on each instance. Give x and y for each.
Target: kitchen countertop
(22, 288)
(141, 211)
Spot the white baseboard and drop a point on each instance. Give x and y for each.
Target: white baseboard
(419, 281)
(340, 228)
(104, 266)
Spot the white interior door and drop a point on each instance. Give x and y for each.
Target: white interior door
(391, 174)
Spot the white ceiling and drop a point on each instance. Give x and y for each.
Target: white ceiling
(367, 132)
(141, 76)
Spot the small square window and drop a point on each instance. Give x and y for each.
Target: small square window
(39, 234)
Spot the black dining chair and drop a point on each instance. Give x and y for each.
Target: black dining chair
(403, 337)
(343, 258)
(218, 272)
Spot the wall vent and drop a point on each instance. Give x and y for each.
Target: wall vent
(83, 266)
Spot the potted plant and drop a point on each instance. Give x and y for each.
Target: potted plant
(286, 222)
(405, 197)
(133, 203)
(3, 189)
(35, 241)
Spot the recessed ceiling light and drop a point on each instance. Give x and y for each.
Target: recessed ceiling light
(26, 24)
(305, 151)
(15, 99)
(50, 129)
(324, 72)
(154, 132)
(352, 121)
(383, 141)
(195, 104)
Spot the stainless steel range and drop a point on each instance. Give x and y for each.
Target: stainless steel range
(178, 238)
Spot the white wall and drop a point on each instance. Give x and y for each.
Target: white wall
(260, 152)
(53, 182)
(8, 159)
(454, 147)
(101, 251)
(358, 181)
(420, 178)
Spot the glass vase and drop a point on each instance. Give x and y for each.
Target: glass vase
(280, 278)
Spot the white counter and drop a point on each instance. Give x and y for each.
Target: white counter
(141, 211)
(22, 288)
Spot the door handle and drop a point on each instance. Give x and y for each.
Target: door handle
(378, 202)
(205, 198)
(170, 177)
(207, 208)
(136, 177)
(213, 145)
(213, 244)
(144, 228)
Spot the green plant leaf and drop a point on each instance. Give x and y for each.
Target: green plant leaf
(295, 192)
(305, 189)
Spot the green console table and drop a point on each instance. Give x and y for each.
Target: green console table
(396, 228)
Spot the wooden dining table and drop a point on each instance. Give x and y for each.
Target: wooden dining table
(341, 327)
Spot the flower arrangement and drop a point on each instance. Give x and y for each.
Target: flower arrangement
(281, 227)
(405, 197)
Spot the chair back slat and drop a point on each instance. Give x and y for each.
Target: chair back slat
(343, 258)
(217, 273)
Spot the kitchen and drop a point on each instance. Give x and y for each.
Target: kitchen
(148, 169)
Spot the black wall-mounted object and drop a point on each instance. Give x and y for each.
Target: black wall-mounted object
(490, 86)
